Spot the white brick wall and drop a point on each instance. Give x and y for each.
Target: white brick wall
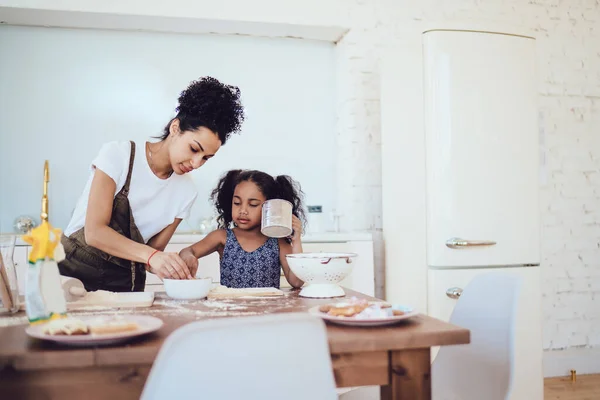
(569, 87)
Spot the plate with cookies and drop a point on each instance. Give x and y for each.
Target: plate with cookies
(95, 330)
(360, 312)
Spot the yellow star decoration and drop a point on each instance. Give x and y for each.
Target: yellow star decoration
(42, 244)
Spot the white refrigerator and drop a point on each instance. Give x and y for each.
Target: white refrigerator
(460, 175)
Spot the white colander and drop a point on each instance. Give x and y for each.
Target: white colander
(321, 272)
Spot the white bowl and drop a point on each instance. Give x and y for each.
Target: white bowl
(321, 272)
(187, 289)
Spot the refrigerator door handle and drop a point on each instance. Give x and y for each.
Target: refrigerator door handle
(456, 243)
(454, 292)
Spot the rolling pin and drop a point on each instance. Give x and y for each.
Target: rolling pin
(73, 288)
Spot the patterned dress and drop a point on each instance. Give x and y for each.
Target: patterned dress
(242, 269)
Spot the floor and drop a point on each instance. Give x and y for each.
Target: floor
(585, 387)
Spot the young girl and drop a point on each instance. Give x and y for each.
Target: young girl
(249, 258)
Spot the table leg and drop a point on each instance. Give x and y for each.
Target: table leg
(410, 375)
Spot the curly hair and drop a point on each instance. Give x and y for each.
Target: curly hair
(280, 187)
(211, 104)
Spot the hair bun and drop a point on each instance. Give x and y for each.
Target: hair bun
(213, 104)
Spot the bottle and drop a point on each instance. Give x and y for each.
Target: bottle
(44, 297)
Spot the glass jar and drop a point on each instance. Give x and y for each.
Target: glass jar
(9, 289)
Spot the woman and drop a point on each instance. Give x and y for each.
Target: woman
(138, 193)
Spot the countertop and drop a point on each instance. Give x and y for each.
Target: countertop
(320, 237)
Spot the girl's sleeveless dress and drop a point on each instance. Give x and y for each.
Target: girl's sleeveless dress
(242, 269)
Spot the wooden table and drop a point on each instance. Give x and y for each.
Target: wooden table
(396, 357)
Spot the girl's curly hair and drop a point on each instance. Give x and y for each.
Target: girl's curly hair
(212, 104)
(280, 187)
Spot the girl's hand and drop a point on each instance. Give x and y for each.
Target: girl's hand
(169, 265)
(296, 229)
(191, 261)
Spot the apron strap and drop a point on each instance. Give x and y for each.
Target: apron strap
(125, 189)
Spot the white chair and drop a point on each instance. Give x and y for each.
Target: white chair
(484, 368)
(278, 356)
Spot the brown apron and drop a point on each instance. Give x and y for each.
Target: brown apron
(97, 269)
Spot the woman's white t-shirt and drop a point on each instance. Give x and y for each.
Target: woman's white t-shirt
(155, 202)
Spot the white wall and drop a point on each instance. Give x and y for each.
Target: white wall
(569, 87)
(66, 91)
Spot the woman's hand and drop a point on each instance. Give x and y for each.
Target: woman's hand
(169, 265)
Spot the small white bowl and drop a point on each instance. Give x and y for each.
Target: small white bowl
(187, 289)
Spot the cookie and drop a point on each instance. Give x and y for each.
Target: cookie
(347, 311)
(380, 304)
(66, 326)
(111, 326)
(325, 308)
